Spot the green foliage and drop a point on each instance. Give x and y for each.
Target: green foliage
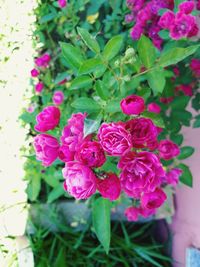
(186, 177)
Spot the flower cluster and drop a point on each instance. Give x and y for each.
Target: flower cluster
(134, 143)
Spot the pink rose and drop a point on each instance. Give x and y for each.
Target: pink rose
(80, 181)
(114, 138)
(137, 32)
(153, 200)
(144, 133)
(195, 66)
(58, 97)
(186, 89)
(39, 87)
(168, 150)
(46, 148)
(48, 119)
(141, 172)
(132, 213)
(65, 154)
(153, 107)
(186, 7)
(43, 61)
(62, 3)
(172, 177)
(132, 105)
(166, 20)
(91, 153)
(72, 134)
(109, 187)
(34, 73)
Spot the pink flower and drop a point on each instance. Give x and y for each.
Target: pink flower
(132, 105)
(141, 172)
(137, 32)
(65, 154)
(166, 20)
(195, 66)
(172, 177)
(186, 7)
(176, 71)
(146, 212)
(39, 87)
(109, 187)
(153, 200)
(153, 107)
(80, 181)
(31, 108)
(144, 15)
(91, 154)
(48, 119)
(143, 132)
(168, 150)
(62, 3)
(58, 97)
(186, 89)
(43, 61)
(132, 213)
(72, 134)
(114, 139)
(46, 148)
(166, 100)
(34, 73)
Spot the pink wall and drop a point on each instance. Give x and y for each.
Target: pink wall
(186, 222)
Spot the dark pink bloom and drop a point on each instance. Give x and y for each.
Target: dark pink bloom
(109, 187)
(39, 62)
(39, 87)
(153, 107)
(65, 154)
(166, 100)
(46, 58)
(137, 32)
(186, 89)
(166, 20)
(58, 98)
(186, 7)
(143, 132)
(48, 119)
(146, 212)
(172, 177)
(114, 138)
(91, 154)
(62, 3)
(80, 181)
(176, 71)
(168, 150)
(132, 213)
(195, 66)
(141, 172)
(46, 148)
(144, 15)
(132, 105)
(72, 134)
(43, 61)
(153, 200)
(34, 73)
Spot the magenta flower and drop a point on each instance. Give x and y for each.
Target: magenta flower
(39, 87)
(109, 187)
(153, 107)
(65, 154)
(153, 200)
(46, 148)
(91, 154)
(114, 139)
(58, 98)
(62, 3)
(172, 177)
(186, 7)
(186, 89)
(137, 32)
(48, 119)
(34, 73)
(43, 61)
(132, 213)
(80, 181)
(166, 20)
(168, 150)
(195, 66)
(132, 105)
(141, 172)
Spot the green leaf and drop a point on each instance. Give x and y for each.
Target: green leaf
(180, 102)
(147, 51)
(177, 138)
(86, 104)
(186, 152)
(89, 40)
(156, 80)
(81, 82)
(101, 221)
(47, 18)
(34, 187)
(186, 177)
(55, 193)
(72, 55)
(90, 65)
(60, 77)
(175, 55)
(144, 92)
(112, 47)
(102, 90)
(113, 106)
(156, 118)
(196, 124)
(91, 126)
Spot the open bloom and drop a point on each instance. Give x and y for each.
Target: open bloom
(132, 105)
(91, 153)
(109, 187)
(48, 119)
(46, 148)
(153, 200)
(141, 172)
(114, 138)
(80, 181)
(58, 98)
(168, 150)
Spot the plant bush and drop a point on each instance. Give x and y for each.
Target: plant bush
(113, 104)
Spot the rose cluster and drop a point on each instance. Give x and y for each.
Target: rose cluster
(134, 143)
